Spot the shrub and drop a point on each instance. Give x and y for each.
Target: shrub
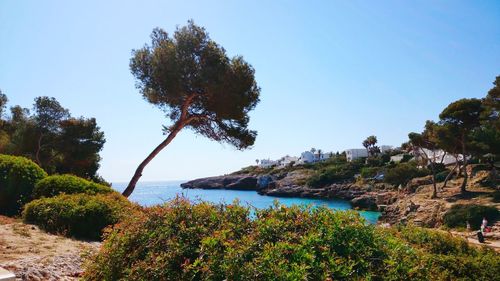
(402, 173)
(441, 176)
(496, 196)
(78, 215)
(459, 214)
(438, 167)
(182, 241)
(68, 184)
(18, 176)
(333, 173)
(370, 172)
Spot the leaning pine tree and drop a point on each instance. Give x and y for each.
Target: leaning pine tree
(190, 78)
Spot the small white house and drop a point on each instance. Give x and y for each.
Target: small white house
(267, 163)
(306, 157)
(384, 148)
(397, 158)
(355, 153)
(288, 160)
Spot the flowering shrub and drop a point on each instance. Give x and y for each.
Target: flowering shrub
(185, 241)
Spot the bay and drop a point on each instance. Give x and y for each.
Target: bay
(154, 193)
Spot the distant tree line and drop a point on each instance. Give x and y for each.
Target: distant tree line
(50, 136)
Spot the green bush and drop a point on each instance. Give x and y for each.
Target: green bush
(333, 173)
(438, 167)
(18, 176)
(496, 196)
(370, 172)
(182, 241)
(402, 173)
(441, 176)
(459, 214)
(78, 215)
(68, 184)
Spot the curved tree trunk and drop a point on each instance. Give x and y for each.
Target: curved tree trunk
(39, 148)
(463, 187)
(434, 186)
(451, 173)
(138, 172)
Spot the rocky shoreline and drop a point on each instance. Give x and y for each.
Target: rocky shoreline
(364, 197)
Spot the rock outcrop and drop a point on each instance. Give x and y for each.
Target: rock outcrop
(238, 182)
(292, 185)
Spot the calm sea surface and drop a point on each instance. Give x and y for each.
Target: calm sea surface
(153, 193)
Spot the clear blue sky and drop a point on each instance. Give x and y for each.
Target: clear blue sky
(331, 72)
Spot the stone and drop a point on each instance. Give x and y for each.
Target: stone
(6, 275)
(365, 202)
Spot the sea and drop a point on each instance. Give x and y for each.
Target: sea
(154, 193)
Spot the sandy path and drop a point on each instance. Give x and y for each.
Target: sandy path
(35, 255)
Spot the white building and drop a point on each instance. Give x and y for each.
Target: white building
(266, 163)
(288, 160)
(397, 158)
(384, 148)
(437, 156)
(355, 153)
(306, 157)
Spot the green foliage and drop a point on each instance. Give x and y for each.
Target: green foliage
(78, 215)
(191, 78)
(402, 173)
(444, 257)
(459, 214)
(370, 172)
(334, 173)
(184, 241)
(496, 196)
(441, 176)
(53, 139)
(18, 176)
(68, 184)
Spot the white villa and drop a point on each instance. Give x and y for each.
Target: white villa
(288, 160)
(305, 157)
(267, 163)
(356, 153)
(437, 156)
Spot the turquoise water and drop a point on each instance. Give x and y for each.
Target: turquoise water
(153, 193)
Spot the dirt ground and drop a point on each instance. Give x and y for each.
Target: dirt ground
(33, 254)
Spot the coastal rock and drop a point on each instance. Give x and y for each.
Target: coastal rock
(365, 202)
(246, 183)
(415, 183)
(292, 184)
(240, 182)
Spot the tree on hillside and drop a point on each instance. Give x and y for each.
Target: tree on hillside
(50, 136)
(79, 143)
(425, 144)
(3, 104)
(191, 78)
(462, 116)
(48, 114)
(319, 154)
(370, 145)
(446, 138)
(485, 139)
